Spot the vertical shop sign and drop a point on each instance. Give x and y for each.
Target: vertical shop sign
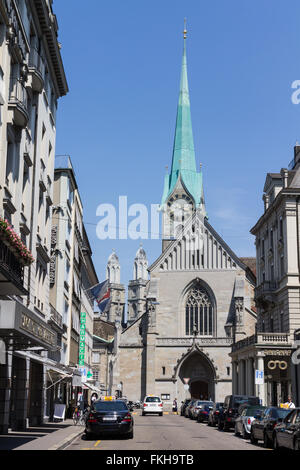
(82, 339)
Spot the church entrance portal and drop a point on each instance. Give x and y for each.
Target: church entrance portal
(198, 372)
(199, 390)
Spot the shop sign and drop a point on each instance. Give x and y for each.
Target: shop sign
(37, 330)
(259, 377)
(82, 339)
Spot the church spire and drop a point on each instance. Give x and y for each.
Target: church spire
(184, 160)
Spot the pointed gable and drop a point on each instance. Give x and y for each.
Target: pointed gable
(198, 247)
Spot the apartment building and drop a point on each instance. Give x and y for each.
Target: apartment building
(72, 275)
(277, 295)
(32, 79)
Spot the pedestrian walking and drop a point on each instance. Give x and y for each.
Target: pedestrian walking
(94, 397)
(174, 407)
(289, 403)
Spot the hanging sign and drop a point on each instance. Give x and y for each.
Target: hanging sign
(82, 339)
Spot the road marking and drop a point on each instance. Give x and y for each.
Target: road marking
(166, 412)
(97, 443)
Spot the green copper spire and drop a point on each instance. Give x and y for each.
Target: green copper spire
(184, 161)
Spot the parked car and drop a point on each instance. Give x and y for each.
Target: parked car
(263, 429)
(152, 404)
(245, 418)
(188, 410)
(287, 433)
(214, 414)
(198, 406)
(230, 409)
(204, 409)
(109, 417)
(184, 404)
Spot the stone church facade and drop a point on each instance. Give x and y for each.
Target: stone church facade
(198, 301)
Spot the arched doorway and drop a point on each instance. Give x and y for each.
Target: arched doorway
(198, 372)
(199, 390)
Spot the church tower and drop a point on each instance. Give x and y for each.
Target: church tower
(113, 274)
(183, 187)
(136, 287)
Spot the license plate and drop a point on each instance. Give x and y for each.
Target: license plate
(109, 419)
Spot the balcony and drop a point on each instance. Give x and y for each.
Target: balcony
(263, 340)
(36, 71)
(11, 272)
(18, 103)
(265, 294)
(56, 318)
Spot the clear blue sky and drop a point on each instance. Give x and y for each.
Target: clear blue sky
(123, 60)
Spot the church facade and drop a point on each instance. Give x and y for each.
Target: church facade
(198, 301)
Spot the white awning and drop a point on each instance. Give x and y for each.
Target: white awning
(91, 387)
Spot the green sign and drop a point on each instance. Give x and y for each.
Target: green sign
(82, 339)
(89, 374)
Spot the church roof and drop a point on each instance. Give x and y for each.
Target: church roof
(184, 161)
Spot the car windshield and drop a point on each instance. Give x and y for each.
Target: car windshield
(152, 400)
(240, 400)
(254, 411)
(282, 413)
(109, 406)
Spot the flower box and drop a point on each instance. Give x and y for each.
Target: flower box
(15, 244)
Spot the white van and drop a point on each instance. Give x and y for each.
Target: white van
(152, 404)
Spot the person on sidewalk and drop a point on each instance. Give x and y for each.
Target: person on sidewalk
(289, 403)
(174, 407)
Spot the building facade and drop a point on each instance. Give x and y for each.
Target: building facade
(72, 275)
(32, 79)
(199, 298)
(271, 349)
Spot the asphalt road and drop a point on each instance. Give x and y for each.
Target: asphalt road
(169, 432)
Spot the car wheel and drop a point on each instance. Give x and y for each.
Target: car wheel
(220, 426)
(253, 439)
(143, 414)
(267, 442)
(130, 435)
(276, 446)
(245, 435)
(88, 435)
(208, 423)
(225, 427)
(236, 433)
(296, 444)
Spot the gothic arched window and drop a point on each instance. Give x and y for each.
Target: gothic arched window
(199, 313)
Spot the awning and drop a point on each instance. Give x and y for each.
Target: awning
(91, 387)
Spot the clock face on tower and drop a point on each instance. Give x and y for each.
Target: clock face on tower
(180, 210)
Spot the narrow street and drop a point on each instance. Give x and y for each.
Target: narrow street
(170, 432)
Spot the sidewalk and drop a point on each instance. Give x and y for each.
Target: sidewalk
(49, 436)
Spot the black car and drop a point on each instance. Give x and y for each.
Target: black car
(204, 411)
(109, 417)
(230, 409)
(214, 414)
(184, 405)
(287, 433)
(263, 429)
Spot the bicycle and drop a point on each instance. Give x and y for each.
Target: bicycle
(79, 417)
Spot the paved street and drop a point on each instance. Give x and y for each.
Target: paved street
(170, 432)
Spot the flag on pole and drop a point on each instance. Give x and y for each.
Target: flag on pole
(101, 294)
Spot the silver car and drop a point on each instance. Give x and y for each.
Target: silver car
(199, 406)
(243, 422)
